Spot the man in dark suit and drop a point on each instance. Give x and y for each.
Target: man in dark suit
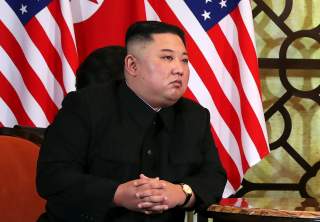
(132, 150)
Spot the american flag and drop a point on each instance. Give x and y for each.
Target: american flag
(38, 60)
(39, 57)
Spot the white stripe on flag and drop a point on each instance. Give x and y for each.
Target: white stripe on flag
(151, 15)
(249, 86)
(245, 11)
(245, 7)
(53, 32)
(228, 190)
(222, 130)
(32, 54)
(67, 16)
(30, 105)
(7, 118)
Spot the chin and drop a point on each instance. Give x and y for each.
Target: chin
(168, 102)
(173, 100)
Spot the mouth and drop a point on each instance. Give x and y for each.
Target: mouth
(176, 83)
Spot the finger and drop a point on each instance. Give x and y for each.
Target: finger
(159, 208)
(144, 194)
(154, 199)
(142, 176)
(149, 190)
(154, 184)
(146, 205)
(140, 182)
(143, 181)
(163, 182)
(150, 186)
(146, 212)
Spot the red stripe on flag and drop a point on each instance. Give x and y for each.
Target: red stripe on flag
(228, 201)
(230, 61)
(222, 103)
(227, 163)
(11, 98)
(246, 46)
(236, 202)
(68, 44)
(30, 78)
(49, 53)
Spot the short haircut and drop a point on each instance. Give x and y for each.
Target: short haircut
(102, 65)
(143, 30)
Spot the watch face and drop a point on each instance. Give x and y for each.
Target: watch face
(187, 188)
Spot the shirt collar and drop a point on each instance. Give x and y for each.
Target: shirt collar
(142, 112)
(155, 109)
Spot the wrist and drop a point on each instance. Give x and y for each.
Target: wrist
(182, 195)
(187, 191)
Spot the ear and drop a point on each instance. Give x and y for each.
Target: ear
(130, 65)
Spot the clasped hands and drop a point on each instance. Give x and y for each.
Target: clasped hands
(149, 195)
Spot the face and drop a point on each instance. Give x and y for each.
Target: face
(161, 70)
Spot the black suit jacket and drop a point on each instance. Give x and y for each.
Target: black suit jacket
(95, 143)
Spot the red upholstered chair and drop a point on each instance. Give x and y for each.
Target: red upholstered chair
(19, 200)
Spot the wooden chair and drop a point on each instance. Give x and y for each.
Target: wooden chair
(19, 200)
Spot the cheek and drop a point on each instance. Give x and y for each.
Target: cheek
(160, 73)
(186, 75)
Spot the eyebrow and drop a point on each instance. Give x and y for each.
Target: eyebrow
(170, 50)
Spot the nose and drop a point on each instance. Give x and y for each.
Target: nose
(178, 68)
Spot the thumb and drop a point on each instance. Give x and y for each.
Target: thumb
(142, 176)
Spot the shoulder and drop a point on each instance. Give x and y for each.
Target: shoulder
(92, 100)
(95, 95)
(191, 120)
(192, 112)
(99, 91)
(94, 104)
(188, 106)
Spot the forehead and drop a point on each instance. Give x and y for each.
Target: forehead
(167, 41)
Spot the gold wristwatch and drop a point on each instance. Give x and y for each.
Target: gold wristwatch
(188, 192)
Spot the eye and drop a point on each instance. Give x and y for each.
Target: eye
(169, 58)
(186, 61)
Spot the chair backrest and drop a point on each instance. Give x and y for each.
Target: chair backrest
(33, 134)
(19, 200)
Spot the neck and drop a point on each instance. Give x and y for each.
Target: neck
(155, 108)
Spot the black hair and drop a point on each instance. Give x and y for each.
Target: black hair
(102, 65)
(143, 30)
